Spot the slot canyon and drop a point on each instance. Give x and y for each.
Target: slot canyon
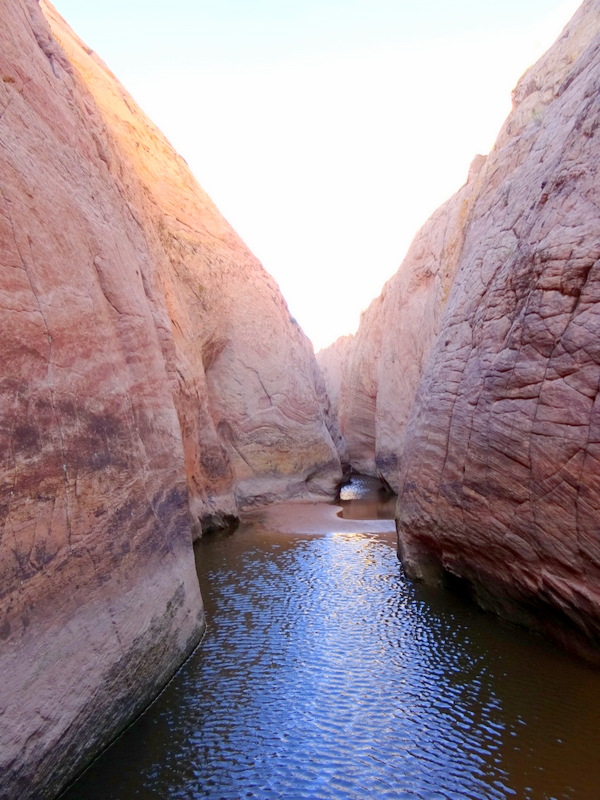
(170, 439)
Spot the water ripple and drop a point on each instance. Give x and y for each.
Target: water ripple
(325, 675)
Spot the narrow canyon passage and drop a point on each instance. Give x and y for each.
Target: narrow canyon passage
(325, 674)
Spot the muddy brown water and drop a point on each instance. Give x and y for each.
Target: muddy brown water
(326, 675)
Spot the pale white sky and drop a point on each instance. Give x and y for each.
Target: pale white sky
(325, 131)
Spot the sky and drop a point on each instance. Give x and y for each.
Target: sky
(326, 131)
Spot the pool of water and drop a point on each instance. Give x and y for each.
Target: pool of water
(325, 674)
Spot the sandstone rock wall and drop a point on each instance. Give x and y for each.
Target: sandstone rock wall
(373, 376)
(252, 411)
(151, 379)
(99, 598)
(331, 362)
(500, 473)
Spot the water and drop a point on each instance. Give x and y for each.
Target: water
(326, 675)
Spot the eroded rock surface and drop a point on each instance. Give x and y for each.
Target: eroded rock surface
(373, 376)
(500, 468)
(151, 381)
(246, 386)
(331, 362)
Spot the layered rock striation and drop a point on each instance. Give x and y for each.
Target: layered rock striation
(152, 384)
(500, 464)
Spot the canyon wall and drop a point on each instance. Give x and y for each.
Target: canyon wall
(152, 383)
(372, 377)
(471, 385)
(500, 465)
(249, 395)
(332, 364)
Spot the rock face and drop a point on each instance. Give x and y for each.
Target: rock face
(152, 381)
(500, 467)
(373, 376)
(247, 389)
(331, 362)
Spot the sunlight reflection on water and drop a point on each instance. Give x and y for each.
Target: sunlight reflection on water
(326, 675)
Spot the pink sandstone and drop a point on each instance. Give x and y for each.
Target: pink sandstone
(152, 383)
(472, 383)
(500, 464)
(249, 394)
(373, 376)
